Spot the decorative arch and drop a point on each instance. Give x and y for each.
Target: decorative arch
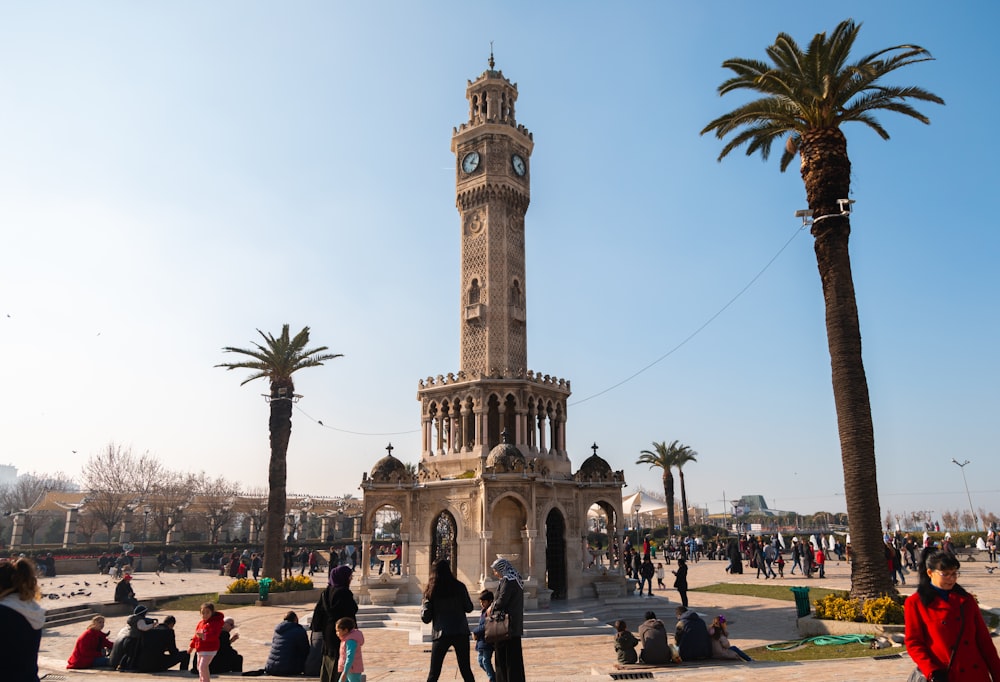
(555, 553)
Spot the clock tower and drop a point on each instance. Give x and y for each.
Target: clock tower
(492, 192)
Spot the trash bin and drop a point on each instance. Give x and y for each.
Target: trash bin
(801, 600)
(264, 586)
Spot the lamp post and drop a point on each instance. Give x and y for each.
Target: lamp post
(142, 548)
(636, 508)
(961, 465)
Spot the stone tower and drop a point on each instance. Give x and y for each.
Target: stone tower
(494, 476)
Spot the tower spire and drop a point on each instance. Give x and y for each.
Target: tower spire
(491, 62)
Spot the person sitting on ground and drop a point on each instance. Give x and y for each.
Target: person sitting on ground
(124, 654)
(227, 660)
(718, 632)
(289, 648)
(158, 649)
(653, 635)
(625, 643)
(691, 636)
(124, 594)
(92, 647)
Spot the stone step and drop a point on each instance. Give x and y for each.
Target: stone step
(67, 615)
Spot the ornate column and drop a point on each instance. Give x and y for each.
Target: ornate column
(484, 538)
(69, 534)
(254, 531)
(324, 528)
(127, 525)
(366, 563)
(541, 431)
(404, 559)
(529, 536)
(17, 532)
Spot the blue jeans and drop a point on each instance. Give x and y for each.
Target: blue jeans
(486, 663)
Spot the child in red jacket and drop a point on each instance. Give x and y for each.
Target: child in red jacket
(206, 640)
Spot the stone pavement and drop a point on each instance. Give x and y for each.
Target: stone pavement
(389, 656)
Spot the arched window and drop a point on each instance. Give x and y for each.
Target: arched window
(474, 292)
(444, 540)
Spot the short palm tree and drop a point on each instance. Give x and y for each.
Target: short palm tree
(806, 97)
(665, 457)
(683, 456)
(276, 360)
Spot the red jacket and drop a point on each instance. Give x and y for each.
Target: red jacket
(932, 627)
(211, 627)
(88, 648)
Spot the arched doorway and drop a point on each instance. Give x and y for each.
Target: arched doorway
(444, 540)
(555, 554)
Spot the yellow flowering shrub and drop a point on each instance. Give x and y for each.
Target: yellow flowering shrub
(251, 586)
(838, 606)
(883, 611)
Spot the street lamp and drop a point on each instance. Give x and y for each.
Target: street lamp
(142, 549)
(636, 508)
(961, 465)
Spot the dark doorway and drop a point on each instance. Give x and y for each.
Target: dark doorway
(555, 554)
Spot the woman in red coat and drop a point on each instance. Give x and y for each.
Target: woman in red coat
(91, 647)
(206, 639)
(942, 618)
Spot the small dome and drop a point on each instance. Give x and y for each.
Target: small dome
(505, 457)
(389, 470)
(594, 467)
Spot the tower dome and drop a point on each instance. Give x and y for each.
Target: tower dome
(505, 457)
(389, 470)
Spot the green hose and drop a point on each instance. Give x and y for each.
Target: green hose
(820, 640)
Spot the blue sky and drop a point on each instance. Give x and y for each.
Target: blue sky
(174, 176)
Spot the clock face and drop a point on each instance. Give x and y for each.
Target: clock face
(470, 162)
(518, 163)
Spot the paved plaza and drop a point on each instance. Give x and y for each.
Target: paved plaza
(389, 656)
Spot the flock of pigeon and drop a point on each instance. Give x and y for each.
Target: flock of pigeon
(77, 589)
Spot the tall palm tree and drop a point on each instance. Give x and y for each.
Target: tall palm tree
(807, 95)
(276, 360)
(665, 457)
(684, 455)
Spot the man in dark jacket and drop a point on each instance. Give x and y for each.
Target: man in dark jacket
(289, 648)
(446, 603)
(158, 649)
(227, 660)
(653, 635)
(691, 636)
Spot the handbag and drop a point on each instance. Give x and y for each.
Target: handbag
(916, 675)
(497, 628)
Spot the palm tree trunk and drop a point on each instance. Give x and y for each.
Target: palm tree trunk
(684, 502)
(668, 493)
(277, 477)
(826, 173)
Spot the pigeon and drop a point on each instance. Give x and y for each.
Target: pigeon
(86, 583)
(990, 569)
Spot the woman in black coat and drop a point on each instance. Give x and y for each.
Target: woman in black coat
(510, 600)
(335, 603)
(289, 648)
(446, 601)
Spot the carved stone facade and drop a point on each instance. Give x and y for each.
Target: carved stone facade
(494, 476)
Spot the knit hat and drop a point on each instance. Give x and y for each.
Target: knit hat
(139, 610)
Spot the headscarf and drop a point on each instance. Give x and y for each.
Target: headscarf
(507, 571)
(340, 576)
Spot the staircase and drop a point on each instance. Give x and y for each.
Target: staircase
(68, 614)
(586, 617)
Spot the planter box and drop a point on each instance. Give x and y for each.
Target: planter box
(810, 626)
(273, 599)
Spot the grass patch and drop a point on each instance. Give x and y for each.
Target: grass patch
(193, 602)
(765, 591)
(812, 652)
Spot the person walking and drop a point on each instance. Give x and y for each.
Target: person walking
(796, 556)
(946, 636)
(681, 581)
(646, 573)
(446, 601)
(510, 600)
(205, 643)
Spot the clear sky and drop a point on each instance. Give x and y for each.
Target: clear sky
(175, 175)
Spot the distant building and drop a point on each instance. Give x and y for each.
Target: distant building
(754, 505)
(8, 474)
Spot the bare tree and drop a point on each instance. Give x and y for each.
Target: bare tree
(218, 495)
(968, 520)
(949, 519)
(167, 500)
(117, 481)
(990, 519)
